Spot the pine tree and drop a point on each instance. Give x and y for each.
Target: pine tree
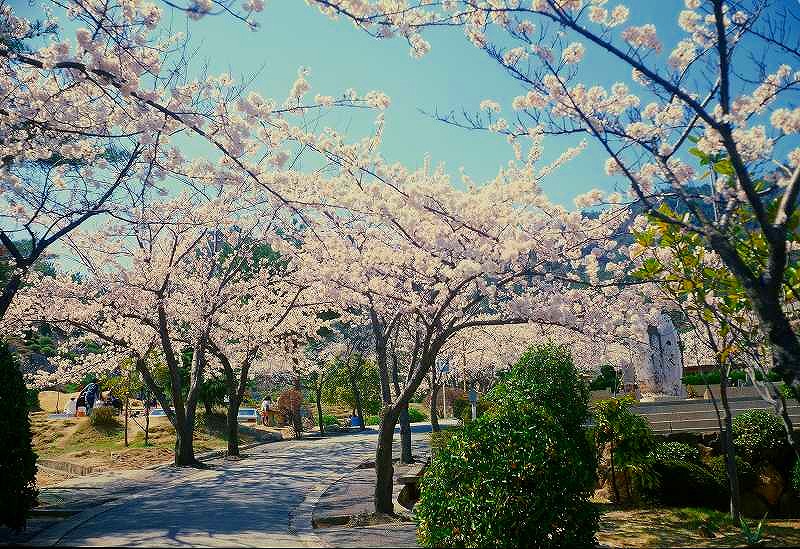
(17, 458)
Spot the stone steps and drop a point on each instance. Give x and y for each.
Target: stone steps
(699, 415)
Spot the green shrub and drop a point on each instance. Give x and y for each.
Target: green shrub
(481, 407)
(32, 397)
(719, 470)
(758, 434)
(329, 420)
(440, 439)
(713, 378)
(514, 477)
(104, 417)
(607, 379)
(675, 451)
(545, 375)
(17, 460)
(629, 441)
(522, 473)
(687, 484)
(796, 476)
(460, 407)
(373, 420)
(415, 415)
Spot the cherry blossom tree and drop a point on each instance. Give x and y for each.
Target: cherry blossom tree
(94, 115)
(409, 247)
(723, 93)
(154, 282)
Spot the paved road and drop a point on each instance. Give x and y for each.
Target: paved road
(263, 500)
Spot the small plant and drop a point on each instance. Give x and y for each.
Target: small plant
(460, 407)
(675, 451)
(480, 408)
(753, 537)
(758, 433)
(373, 420)
(415, 415)
(328, 420)
(719, 469)
(103, 417)
(629, 441)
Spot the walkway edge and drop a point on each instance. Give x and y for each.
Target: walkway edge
(302, 521)
(53, 535)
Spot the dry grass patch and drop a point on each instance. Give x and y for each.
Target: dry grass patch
(685, 527)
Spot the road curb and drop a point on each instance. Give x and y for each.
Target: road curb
(303, 516)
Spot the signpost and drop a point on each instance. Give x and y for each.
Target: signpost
(473, 401)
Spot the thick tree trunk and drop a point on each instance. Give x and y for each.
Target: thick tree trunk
(319, 412)
(9, 291)
(764, 294)
(730, 452)
(232, 424)
(207, 406)
(434, 413)
(147, 425)
(184, 448)
(405, 436)
(384, 471)
(126, 420)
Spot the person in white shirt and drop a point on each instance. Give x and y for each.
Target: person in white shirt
(72, 407)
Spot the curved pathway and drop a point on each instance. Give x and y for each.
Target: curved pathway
(265, 499)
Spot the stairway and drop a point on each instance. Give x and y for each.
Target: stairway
(698, 415)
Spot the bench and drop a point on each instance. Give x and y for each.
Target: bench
(409, 477)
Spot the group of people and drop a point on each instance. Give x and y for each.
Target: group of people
(90, 397)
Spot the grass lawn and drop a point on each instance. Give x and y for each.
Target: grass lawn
(686, 527)
(78, 441)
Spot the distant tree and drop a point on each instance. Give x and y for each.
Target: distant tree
(353, 383)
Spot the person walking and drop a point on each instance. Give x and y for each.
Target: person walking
(92, 393)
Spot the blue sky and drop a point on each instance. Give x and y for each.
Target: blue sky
(453, 75)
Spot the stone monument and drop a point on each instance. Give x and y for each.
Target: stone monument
(658, 376)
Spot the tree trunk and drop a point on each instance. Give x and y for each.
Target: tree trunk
(126, 420)
(434, 413)
(184, 448)
(730, 452)
(9, 291)
(614, 486)
(207, 406)
(384, 471)
(319, 411)
(356, 395)
(147, 425)
(232, 421)
(405, 436)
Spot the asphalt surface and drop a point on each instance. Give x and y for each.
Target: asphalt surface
(265, 499)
